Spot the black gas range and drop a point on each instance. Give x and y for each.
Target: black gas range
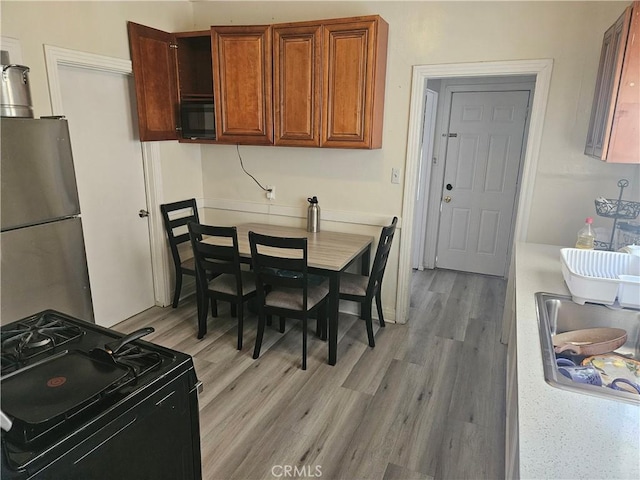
(80, 401)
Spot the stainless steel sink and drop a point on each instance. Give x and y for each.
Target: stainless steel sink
(558, 314)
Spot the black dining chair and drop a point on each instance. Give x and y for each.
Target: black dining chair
(289, 295)
(218, 273)
(363, 289)
(176, 216)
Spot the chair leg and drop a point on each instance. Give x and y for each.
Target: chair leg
(369, 323)
(177, 289)
(282, 324)
(240, 324)
(365, 309)
(269, 320)
(214, 308)
(304, 343)
(379, 307)
(259, 335)
(234, 310)
(321, 325)
(202, 316)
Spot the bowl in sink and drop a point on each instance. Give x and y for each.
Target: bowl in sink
(558, 314)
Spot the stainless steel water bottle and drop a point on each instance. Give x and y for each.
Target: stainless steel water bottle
(313, 215)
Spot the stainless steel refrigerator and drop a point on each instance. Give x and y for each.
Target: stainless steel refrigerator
(42, 246)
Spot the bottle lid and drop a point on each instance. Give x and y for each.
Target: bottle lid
(589, 220)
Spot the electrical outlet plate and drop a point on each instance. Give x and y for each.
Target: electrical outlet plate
(395, 175)
(271, 192)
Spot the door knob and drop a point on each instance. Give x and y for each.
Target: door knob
(143, 213)
(447, 199)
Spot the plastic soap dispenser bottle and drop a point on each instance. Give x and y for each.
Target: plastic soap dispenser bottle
(586, 236)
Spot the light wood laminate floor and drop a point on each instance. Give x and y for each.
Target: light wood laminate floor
(426, 402)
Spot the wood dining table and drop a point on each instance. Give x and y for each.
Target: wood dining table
(328, 254)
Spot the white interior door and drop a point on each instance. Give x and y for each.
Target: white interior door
(111, 188)
(485, 139)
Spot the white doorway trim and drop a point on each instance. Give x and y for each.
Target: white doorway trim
(13, 48)
(424, 178)
(55, 57)
(421, 73)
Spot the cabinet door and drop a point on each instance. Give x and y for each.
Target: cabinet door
(624, 142)
(154, 69)
(297, 86)
(607, 82)
(242, 69)
(354, 72)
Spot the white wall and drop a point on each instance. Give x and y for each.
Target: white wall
(441, 32)
(355, 185)
(101, 28)
(423, 33)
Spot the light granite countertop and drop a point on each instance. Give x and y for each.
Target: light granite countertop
(563, 434)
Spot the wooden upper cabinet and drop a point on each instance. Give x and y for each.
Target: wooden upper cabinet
(329, 79)
(354, 64)
(614, 127)
(154, 68)
(313, 84)
(624, 142)
(297, 85)
(242, 66)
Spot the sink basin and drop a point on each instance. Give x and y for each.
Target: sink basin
(559, 314)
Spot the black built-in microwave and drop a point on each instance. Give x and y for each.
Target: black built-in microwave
(198, 118)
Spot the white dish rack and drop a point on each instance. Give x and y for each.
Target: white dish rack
(594, 276)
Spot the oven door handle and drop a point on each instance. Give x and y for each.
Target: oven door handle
(198, 387)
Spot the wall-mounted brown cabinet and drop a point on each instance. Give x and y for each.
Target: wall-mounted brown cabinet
(154, 63)
(242, 86)
(329, 79)
(614, 128)
(297, 85)
(355, 65)
(168, 68)
(317, 84)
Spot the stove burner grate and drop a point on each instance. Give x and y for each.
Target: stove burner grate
(137, 360)
(33, 336)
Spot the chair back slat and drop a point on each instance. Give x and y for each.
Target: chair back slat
(215, 250)
(272, 270)
(182, 220)
(175, 217)
(269, 261)
(382, 255)
(181, 238)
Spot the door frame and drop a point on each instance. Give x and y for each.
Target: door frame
(541, 69)
(13, 47)
(56, 57)
(424, 178)
(435, 189)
